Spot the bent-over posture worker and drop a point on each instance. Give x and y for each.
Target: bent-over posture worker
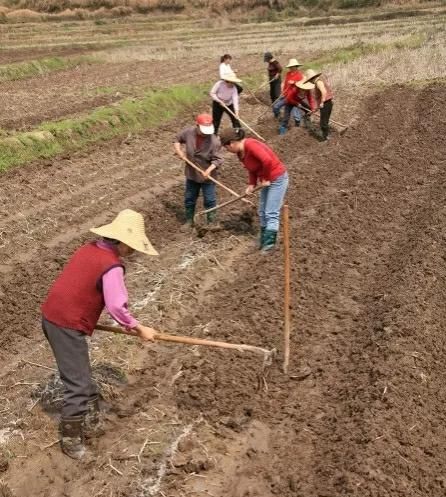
(265, 169)
(225, 92)
(324, 99)
(92, 278)
(202, 147)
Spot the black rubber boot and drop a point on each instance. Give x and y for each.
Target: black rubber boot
(93, 426)
(269, 240)
(72, 432)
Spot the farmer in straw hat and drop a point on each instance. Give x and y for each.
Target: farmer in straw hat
(265, 169)
(292, 76)
(225, 92)
(92, 278)
(324, 99)
(202, 148)
(299, 104)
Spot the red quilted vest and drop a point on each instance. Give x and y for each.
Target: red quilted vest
(75, 300)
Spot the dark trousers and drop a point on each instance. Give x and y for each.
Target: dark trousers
(70, 349)
(325, 113)
(217, 113)
(192, 191)
(274, 89)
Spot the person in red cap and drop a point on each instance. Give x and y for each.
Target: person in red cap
(201, 146)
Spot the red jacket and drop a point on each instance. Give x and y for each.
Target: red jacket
(291, 78)
(299, 97)
(75, 300)
(261, 162)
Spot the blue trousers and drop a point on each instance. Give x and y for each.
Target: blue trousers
(192, 191)
(271, 200)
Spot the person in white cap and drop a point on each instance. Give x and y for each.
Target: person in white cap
(202, 147)
(291, 78)
(92, 279)
(224, 96)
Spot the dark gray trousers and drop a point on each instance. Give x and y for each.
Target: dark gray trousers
(70, 349)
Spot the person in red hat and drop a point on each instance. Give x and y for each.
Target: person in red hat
(201, 146)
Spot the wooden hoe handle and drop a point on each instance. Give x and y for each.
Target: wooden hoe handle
(188, 340)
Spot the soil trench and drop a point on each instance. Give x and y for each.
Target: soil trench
(362, 410)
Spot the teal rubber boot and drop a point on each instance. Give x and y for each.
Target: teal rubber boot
(282, 129)
(211, 217)
(269, 240)
(261, 236)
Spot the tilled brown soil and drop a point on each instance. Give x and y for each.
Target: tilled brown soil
(367, 220)
(26, 103)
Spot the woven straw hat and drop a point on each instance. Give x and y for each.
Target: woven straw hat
(293, 63)
(128, 228)
(305, 85)
(232, 78)
(310, 74)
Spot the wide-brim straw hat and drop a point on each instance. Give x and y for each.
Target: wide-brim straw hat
(232, 78)
(311, 74)
(293, 63)
(305, 85)
(128, 228)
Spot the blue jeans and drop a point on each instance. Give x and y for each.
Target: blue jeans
(271, 200)
(193, 190)
(294, 112)
(278, 105)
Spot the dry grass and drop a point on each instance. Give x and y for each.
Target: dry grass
(398, 65)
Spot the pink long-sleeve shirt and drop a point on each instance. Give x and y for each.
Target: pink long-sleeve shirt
(115, 293)
(227, 94)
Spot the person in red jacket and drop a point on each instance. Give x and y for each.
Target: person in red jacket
(92, 279)
(324, 99)
(265, 169)
(299, 103)
(291, 78)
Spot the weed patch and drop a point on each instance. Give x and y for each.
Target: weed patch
(103, 123)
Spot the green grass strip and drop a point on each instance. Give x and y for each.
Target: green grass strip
(28, 69)
(103, 123)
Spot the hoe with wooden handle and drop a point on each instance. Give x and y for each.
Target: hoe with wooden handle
(267, 354)
(232, 192)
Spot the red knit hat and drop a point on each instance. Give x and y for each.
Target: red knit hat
(205, 124)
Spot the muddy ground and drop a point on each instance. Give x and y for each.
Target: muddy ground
(361, 411)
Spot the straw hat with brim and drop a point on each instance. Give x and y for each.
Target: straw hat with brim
(231, 78)
(305, 85)
(311, 74)
(293, 63)
(128, 228)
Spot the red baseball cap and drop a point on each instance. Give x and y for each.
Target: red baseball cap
(205, 124)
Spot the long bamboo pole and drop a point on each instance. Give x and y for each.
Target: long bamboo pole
(232, 192)
(243, 122)
(230, 201)
(190, 341)
(287, 289)
(271, 106)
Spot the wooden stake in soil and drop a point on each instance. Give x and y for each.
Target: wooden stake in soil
(287, 289)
